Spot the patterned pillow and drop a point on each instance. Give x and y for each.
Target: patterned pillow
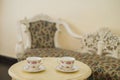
(42, 34)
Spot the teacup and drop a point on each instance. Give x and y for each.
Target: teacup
(67, 63)
(34, 63)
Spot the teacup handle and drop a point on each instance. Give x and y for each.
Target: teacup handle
(59, 61)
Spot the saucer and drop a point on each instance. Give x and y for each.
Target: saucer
(27, 69)
(74, 69)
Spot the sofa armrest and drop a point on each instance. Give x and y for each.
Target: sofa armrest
(19, 49)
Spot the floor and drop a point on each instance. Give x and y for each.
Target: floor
(5, 63)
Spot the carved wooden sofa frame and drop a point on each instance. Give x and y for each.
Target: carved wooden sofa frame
(102, 41)
(97, 41)
(103, 67)
(24, 37)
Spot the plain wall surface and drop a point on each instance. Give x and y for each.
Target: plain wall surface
(83, 16)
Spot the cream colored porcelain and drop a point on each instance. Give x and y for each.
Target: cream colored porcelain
(66, 63)
(27, 69)
(34, 63)
(73, 69)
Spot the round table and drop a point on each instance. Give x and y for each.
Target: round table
(17, 73)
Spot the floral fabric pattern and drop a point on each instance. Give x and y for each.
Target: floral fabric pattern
(110, 42)
(103, 68)
(42, 34)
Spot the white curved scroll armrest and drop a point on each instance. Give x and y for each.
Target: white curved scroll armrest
(70, 31)
(19, 49)
(61, 23)
(100, 46)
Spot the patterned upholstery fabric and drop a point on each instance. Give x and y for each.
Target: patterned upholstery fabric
(42, 34)
(103, 68)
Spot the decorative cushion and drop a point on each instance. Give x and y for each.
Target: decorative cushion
(42, 34)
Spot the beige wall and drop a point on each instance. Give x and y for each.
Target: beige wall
(0, 20)
(82, 15)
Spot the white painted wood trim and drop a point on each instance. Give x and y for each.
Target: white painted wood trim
(19, 49)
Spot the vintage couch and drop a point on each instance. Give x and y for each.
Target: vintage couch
(39, 36)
